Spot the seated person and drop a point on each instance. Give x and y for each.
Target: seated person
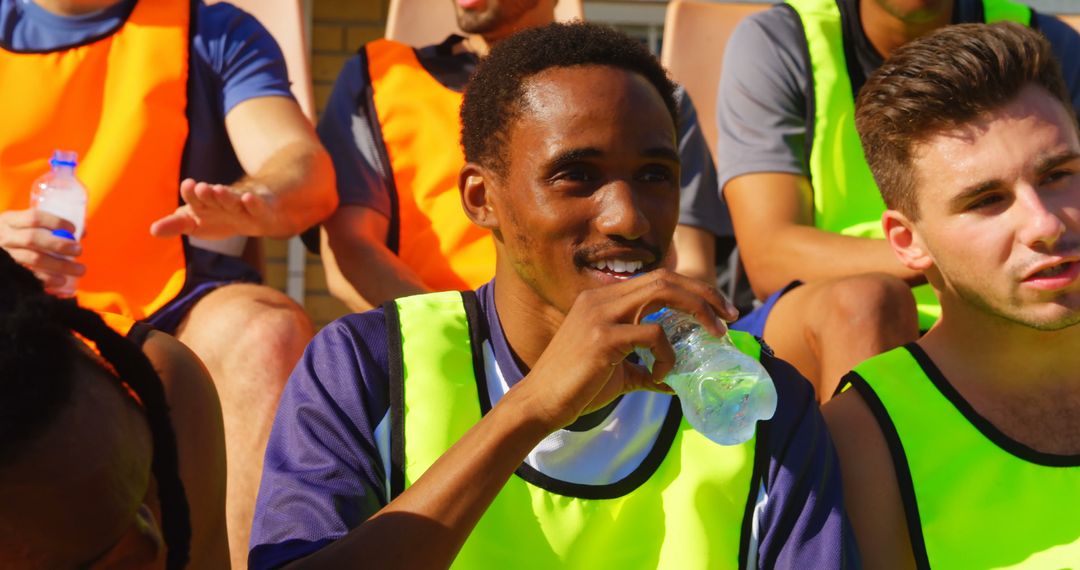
(962, 450)
(391, 126)
(108, 459)
(506, 427)
(161, 115)
(804, 204)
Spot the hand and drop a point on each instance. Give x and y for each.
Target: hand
(216, 211)
(585, 367)
(27, 236)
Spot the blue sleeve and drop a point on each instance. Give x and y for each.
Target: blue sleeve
(346, 131)
(323, 473)
(242, 53)
(700, 204)
(1065, 42)
(802, 522)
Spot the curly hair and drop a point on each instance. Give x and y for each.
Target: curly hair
(494, 96)
(38, 355)
(942, 81)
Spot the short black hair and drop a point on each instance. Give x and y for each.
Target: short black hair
(38, 353)
(495, 94)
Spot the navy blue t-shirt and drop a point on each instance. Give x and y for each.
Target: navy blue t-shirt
(326, 462)
(234, 59)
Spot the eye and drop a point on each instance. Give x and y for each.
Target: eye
(656, 173)
(985, 201)
(581, 173)
(1056, 176)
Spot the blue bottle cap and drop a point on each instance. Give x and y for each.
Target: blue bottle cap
(64, 234)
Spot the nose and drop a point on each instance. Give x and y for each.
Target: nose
(1041, 225)
(620, 211)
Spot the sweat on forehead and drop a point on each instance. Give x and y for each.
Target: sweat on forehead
(495, 94)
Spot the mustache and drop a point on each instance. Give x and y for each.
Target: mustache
(1063, 248)
(587, 254)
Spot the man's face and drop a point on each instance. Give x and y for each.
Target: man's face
(490, 16)
(999, 205)
(591, 195)
(77, 496)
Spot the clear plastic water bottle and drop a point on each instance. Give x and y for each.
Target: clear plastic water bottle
(723, 391)
(60, 193)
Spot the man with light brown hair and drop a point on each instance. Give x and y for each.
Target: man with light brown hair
(963, 449)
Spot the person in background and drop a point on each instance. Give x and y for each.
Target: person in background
(109, 456)
(186, 133)
(391, 126)
(507, 427)
(804, 205)
(963, 449)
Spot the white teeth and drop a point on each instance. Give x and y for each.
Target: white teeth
(618, 265)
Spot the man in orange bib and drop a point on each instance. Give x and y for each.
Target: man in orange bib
(391, 127)
(186, 133)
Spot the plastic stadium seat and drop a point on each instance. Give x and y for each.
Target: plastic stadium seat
(695, 35)
(285, 21)
(424, 22)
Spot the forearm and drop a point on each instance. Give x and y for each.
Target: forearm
(298, 182)
(427, 524)
(695, 250)
(806, 253)
(363, 275)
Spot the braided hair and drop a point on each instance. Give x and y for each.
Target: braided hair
(38, 358)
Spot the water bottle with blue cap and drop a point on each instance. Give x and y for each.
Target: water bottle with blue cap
(60, 193)
(723, 392)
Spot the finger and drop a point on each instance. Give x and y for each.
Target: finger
(52, 283)
(39, 239)
(625, 339)
(660, 289)
(32, 218)
(225, 199)
(44, 263)
(256, 205)
(192, 194)
(183, 221)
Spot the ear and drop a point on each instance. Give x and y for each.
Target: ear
(906, 241)
(475, 183)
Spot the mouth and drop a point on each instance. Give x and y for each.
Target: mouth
(618, 268)
(1054, 275)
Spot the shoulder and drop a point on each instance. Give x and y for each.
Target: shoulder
(767, 52)
(871, 488)
(779, 25)
(227, 36)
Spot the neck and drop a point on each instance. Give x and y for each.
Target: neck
(75, 7)
(998, 357)
(528, 321)
(888, 29)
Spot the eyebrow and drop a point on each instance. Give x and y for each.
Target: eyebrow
(1044, 164)
(577, 154)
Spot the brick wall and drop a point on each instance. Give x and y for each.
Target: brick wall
(339, 27)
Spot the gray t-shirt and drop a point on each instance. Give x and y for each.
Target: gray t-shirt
(762, 98)
(363, 179)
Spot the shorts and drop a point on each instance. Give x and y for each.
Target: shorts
(206, 271)
(754, 322)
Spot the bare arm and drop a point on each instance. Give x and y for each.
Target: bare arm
(695, 249)
(871, 492)
(290, 182)
(773, 216)
(360, 270)
(426, 525)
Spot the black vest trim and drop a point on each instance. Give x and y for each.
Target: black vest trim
(985, 427)
(366, 100)
(900, 466)
(761, 464)
(395, 372)
(668, 430)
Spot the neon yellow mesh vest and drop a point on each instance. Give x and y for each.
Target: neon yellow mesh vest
(689, 505)
(846, 199)
(973, 497)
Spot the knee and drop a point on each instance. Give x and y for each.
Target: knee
(254, 322)
(876, 300)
